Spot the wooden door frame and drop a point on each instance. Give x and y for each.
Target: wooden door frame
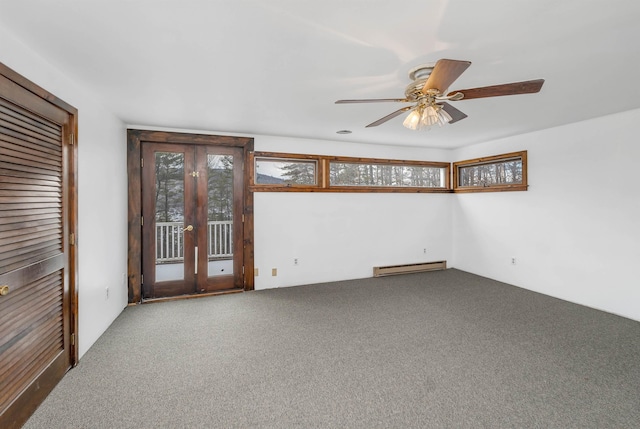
(134, 168)
(34, 394)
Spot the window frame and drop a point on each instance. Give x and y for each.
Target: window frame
(496, 159)
(323, 172)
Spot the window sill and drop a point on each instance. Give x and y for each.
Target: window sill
(497, 188)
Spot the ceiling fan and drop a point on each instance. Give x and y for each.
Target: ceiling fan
(427, 93)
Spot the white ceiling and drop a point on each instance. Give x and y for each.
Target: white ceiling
(275, 67)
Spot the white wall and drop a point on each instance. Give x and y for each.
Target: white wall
(338, 236)
(343, 236)
(576, 231)
(102, 192)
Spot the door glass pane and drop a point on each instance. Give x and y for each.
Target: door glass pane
(169, 216)
(220, 215)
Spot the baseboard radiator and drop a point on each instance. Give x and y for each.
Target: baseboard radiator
(391, 270)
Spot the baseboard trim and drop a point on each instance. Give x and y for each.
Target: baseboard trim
(391, 270)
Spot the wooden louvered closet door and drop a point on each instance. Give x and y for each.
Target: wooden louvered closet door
(35, 310)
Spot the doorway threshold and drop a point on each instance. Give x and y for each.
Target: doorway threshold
(196, 295)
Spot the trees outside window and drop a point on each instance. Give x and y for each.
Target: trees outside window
(506, 172)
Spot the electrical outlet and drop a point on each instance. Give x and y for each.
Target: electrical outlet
(424, 250)
(256, 272)
(107, 291)
(274, 272)
(295, 261)
(513, 261)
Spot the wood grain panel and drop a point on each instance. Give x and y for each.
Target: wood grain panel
(26, 151)
(11, 215)
(11, 151)
(31, 256)
(18, 177)
(134, 215)
(25, 184)
(32, 330)
(16, 302)
(12, 157)
(28, 136)
(30, 249)
(28, 171)
(29, 206)
(32, 237)
(28, 227)
(24, 116)
(39, 354)
(38, 209)
(7, 139)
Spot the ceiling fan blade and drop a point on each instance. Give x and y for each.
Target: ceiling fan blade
(374, 100)
(456, 115)
(389, 116)
(526, 87)
(444, 74)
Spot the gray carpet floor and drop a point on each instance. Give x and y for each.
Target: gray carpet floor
(442, 349)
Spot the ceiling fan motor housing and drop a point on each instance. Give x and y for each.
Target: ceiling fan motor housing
(418, 76)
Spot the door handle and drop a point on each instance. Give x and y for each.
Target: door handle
(188, 228)
(4, 290)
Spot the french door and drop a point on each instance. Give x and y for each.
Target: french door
(192, 231)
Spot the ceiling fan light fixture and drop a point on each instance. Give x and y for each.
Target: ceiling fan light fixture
(429, 117)
(412, 121)
(425, 117)
(443, 116)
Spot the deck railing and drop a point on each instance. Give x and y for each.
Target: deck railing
(170, 244)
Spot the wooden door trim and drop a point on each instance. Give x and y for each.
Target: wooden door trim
(34, 394)
(134, 159)
(37, 90)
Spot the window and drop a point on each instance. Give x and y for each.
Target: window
(321, 173)
(289, 172)
(283, 172)
(386, 175)
(507, 172)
